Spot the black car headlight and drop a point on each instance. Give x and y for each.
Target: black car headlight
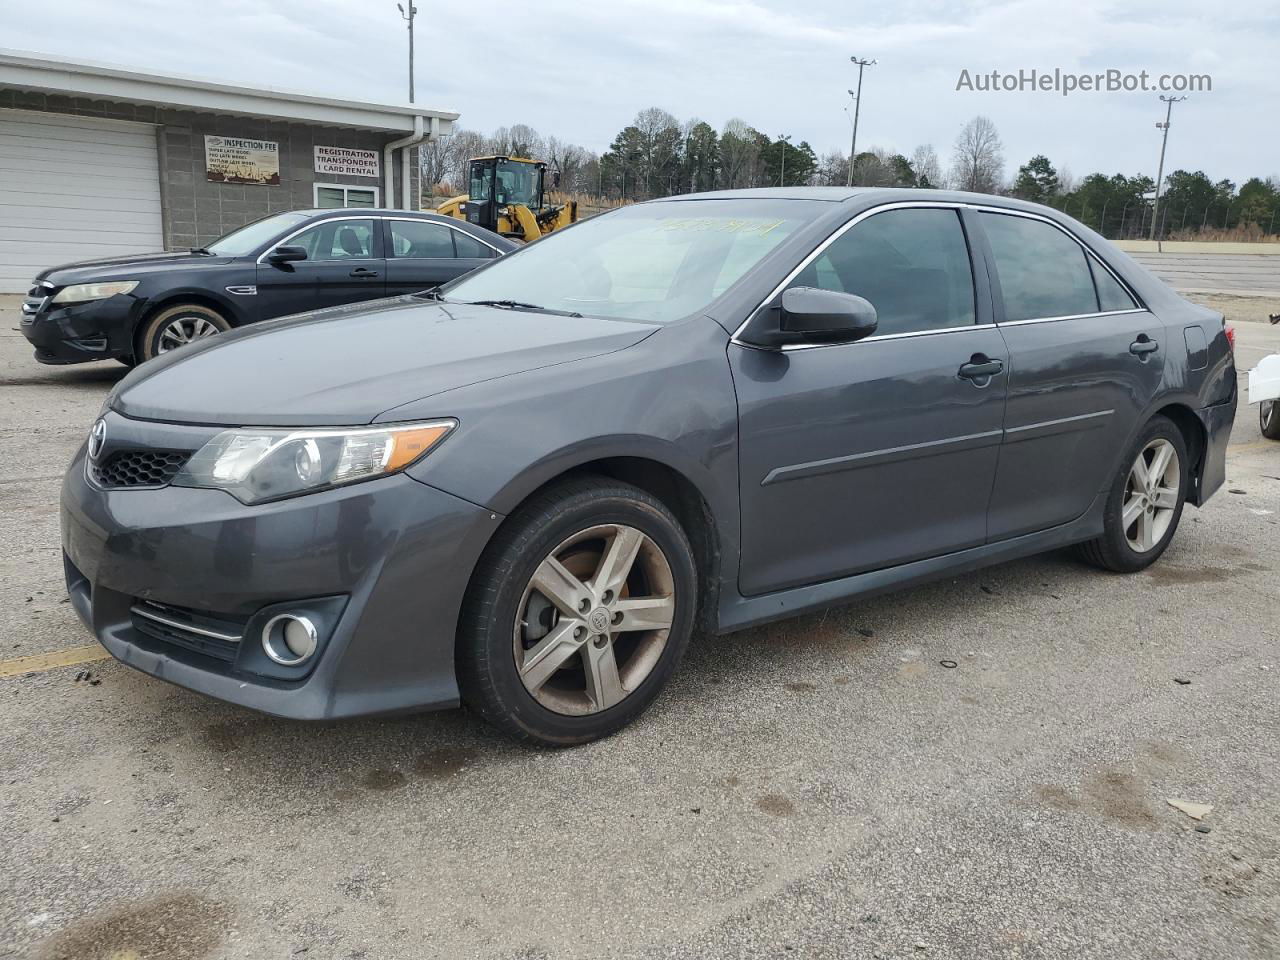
(258, 464)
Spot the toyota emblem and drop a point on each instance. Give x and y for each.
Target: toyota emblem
(97, 437)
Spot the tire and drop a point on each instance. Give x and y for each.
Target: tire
(174, 326)
(525, 661)
(1128, 548)
(1269, 419)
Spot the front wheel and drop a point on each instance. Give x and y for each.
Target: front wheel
(1269, 419)
(578, 613)
(177, 326)
(1145, 502)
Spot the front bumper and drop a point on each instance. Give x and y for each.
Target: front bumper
(390, 558)
(78, 332)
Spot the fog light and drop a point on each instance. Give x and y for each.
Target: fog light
(289, 639)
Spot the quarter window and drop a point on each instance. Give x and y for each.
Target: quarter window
(1043, 272)
(337, 240)
(912, 265)
(421, 240)
(1111, 295)
(469, 247)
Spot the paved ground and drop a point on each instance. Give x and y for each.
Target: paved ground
(1252, 274)
(821, 788)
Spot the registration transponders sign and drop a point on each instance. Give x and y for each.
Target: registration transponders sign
(347, 162)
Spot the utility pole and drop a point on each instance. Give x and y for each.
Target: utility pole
(782, 177)
(857, 107)
(408, 17)
(1168, 112)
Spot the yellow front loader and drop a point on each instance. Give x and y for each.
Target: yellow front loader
(508, 195)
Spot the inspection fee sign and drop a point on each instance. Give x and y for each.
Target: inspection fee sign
(347, 162)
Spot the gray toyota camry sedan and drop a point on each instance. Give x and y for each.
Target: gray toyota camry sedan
(526, 491)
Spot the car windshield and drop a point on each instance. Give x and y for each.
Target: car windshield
(251, 236)
(654, 261)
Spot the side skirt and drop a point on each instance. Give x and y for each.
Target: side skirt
(738, 612)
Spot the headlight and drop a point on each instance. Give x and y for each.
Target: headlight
(265, 464)
(80, 292)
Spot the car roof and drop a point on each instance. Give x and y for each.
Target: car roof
(372, 212)
(868, 196)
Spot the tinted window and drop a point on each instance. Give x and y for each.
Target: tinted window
(421, 240)
(469, 246)
(1043, 272)
(913, 265)
(337, 240)
(1111, 295)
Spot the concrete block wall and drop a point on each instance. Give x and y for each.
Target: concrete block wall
(197, 211)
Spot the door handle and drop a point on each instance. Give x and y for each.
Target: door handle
(363, 272)
(980, 368)
(1143, 346)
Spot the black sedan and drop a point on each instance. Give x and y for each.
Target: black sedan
(134, 308)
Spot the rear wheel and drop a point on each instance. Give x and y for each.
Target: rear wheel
(1145, 502)
(178, 326)
(578, 613)
(1269, 419)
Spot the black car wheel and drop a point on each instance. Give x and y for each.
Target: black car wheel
(579, 611)
(177, 326)
(1269, 419)
(1145, 502)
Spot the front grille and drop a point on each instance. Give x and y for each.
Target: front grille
(199, 632)
(138, 468)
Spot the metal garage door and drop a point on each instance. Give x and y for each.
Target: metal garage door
(73, 188)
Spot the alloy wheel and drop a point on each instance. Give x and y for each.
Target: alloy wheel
(1267, 415)
(183, 330)
(1151, 495)
(594, 619)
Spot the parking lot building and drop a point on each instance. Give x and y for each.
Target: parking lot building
(97, 160)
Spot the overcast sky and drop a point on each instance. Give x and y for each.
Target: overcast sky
(581, 70)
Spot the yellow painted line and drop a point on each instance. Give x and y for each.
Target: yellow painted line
(39, 662)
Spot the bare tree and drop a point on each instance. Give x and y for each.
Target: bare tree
(833, 169)
(739, 151)
(928, 170)
(565, 160)
(978, 162)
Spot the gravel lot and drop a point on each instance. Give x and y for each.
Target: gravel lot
(820, 788)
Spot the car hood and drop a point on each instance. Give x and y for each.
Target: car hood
(347, 365)
(122, 268)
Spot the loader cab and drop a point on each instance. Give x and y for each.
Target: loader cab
(498, 182)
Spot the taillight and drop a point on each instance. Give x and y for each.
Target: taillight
(1231, 336)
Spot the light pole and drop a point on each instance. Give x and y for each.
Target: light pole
(783, 140)
(408, 17)
(1164, 142)
(857, 106)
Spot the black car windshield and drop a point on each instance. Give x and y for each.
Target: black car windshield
(251, 236)
(653, 261)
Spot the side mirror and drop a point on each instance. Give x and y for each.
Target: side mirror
(810, 315)
(287, 254)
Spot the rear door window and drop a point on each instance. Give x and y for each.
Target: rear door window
(421, 240)
(469, 247)
(912, 265)
(1042, 271)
